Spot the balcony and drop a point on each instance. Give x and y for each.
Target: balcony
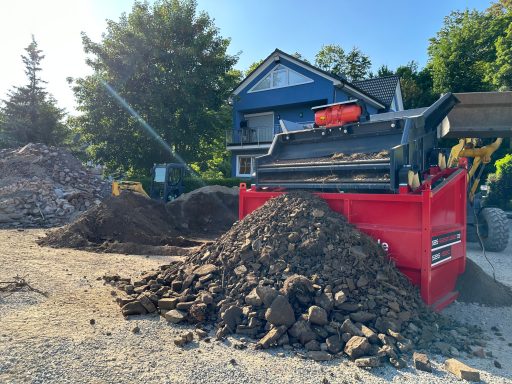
(258, 136)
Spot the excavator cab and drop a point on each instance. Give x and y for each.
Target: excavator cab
(167, 181)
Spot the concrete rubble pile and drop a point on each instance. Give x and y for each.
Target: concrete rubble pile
(44, 186)
(295, 274)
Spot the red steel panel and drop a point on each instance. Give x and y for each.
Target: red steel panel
(407, 225)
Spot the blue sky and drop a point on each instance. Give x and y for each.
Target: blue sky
(390, 32)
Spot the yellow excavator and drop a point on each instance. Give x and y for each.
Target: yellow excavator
(166, 183)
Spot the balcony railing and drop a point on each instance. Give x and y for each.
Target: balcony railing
(251, 136)
(261, 135)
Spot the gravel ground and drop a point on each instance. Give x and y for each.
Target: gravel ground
(45, 340)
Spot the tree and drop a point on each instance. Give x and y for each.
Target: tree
(416, 86)
(30, 114)
(384, 70)
(252, 67)
(161, 71)
(357, 65)
(331, 58)
(472, 51)
(354, 65)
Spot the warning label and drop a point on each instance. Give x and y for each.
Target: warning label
(441, 255)
(445, 240)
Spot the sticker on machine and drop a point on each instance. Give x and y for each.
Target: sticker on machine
(441, 255)
(445, 240)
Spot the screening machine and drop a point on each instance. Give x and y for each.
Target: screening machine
(391, 177)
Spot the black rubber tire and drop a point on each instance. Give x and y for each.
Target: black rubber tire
(494, 229)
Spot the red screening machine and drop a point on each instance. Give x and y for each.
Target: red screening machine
(388, 175)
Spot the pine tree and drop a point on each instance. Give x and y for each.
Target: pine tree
(30, 113)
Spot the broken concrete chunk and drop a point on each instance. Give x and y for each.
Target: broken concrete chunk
(317, 315)
(421, 362)
(167, 303)
(266, 294)
(368, 362)
(271, 337)
(461, 370)
(253, 299)
(280, 312)
(349, 327)
(205, 269)
(175, 316)
(134, 308)
(356, 347)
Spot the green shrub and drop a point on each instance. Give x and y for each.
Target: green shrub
(500, 184)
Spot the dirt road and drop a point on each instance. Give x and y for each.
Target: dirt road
(52, 339)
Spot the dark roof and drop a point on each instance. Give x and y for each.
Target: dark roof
(381, 88)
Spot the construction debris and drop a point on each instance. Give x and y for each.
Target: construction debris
(296, 273)
(45, 186)
(461, 370)
(133, 224)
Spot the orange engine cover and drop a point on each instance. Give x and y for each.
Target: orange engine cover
(338, 115)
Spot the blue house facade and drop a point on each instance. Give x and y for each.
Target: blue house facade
(283, 87)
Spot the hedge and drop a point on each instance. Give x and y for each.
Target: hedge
(500, 184)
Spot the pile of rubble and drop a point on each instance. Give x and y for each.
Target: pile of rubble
(44, 186)
(295, 273)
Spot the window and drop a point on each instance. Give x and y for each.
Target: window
(245, 166)
(280, 77)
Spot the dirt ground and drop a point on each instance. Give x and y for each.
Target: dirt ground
(52, 340)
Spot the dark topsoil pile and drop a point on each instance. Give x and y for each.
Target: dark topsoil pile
(476, 286)
(295, 272)
(132, 223)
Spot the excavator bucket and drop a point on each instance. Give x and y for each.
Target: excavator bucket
(479, 114)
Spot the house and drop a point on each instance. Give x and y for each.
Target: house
(285, 87)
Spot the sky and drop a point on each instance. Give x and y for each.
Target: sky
(391, 32)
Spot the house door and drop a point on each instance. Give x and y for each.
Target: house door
(260, 127)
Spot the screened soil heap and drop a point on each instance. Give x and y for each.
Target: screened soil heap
(295, 272)
(132, 223)
(476, 286)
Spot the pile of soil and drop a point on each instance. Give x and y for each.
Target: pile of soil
(295, 272)
(209, 210)
(133, 224)
(45, 186)
(476, 286)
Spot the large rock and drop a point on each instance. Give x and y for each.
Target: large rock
(280, 312)
(232, 316)
(317, 315)
(367, 362)
(205, 269)
(134, 308)
(349, 327)
(253, 299)
(271, 337)
(266, 294)
(421, 362)
(334, 343)
(302, 331)
(167, 303)
(356, 347)
(175, 316)
(461, 370)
